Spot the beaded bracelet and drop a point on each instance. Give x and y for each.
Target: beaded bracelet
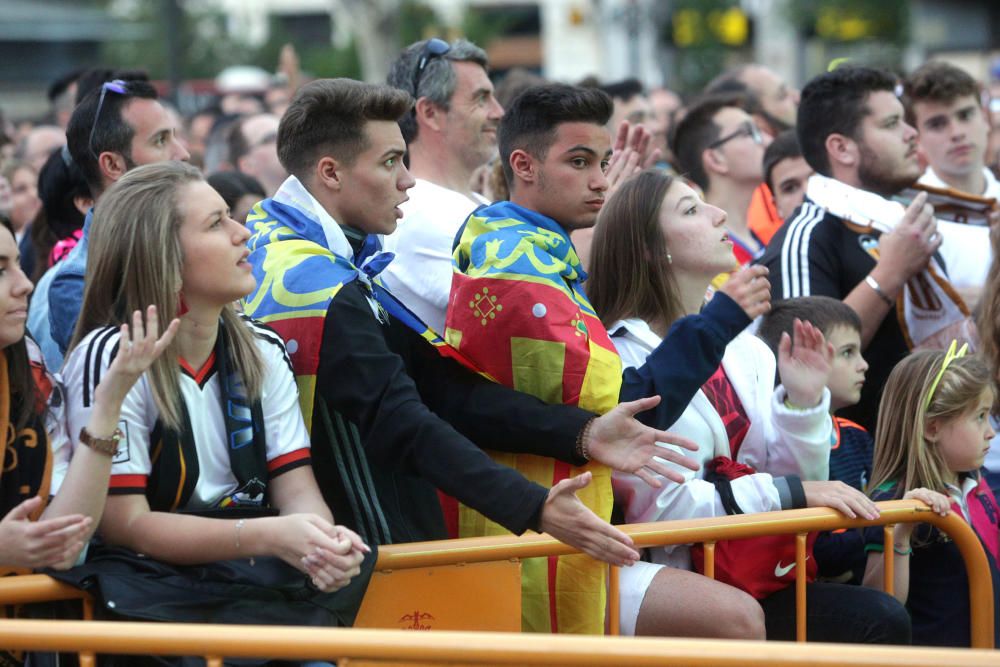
(581, 449)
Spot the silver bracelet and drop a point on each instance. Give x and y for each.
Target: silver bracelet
(239, 527)
(871, 282)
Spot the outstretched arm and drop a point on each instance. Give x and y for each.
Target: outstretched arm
(694, 346)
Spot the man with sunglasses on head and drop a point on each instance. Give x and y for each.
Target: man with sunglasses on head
(451, 132)
(115, 128)
(720, 148)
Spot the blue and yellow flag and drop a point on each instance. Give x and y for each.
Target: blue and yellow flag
(518, 311)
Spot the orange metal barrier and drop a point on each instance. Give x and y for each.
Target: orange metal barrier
(393, 558)
(709, 531)
(467, 648)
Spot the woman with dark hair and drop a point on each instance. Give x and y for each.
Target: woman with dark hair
(657, 247)
(239, 191)
(58, 226)
(50, 502)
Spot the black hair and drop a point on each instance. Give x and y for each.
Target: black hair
(531, 121)
(623, 90)
(111, 133)
(60, 182)
(836, 103)
(231, 185)
(784, 146)
(697, 131)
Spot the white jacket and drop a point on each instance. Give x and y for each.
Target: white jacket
(779, 442)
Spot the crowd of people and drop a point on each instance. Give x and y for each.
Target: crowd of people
(262, 341)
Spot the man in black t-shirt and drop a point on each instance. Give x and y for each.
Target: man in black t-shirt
(852, 131)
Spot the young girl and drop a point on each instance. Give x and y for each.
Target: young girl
(214, 460)
(933, 433)
(657, 246)
(49, 503)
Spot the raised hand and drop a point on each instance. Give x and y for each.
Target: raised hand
(804, 364)
(845, 499)
(567, 519)
(630, 155)
(750, 289)
(621, 442)
(37, 544)
(138, 348)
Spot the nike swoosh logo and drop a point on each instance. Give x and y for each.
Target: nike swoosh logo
(780, 571)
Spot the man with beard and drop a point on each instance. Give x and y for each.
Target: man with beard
(451, 131)
(850, 242)
(771, 101)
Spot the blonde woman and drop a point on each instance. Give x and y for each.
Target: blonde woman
(214, 462)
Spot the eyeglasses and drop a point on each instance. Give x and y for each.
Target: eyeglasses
(747, 129)
(434, 48)
(116, 86)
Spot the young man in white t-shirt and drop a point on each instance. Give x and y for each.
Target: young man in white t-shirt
(943, 103)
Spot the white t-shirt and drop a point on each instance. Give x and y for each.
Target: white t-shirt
(931, 178)
(55, 417)
(420, 274)
(966, 249)
(285, 433)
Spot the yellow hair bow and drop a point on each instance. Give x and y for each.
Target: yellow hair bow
(949, 356)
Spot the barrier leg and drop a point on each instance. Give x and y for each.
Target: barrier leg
(614, 602)
(888, 559)
(800, 586)
(709, 559)
(87, 659)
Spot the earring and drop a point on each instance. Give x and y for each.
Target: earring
(670, 260)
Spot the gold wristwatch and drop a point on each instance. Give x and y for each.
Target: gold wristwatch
(108, 445)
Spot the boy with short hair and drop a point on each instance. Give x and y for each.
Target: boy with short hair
(839, 554)
(785, 173)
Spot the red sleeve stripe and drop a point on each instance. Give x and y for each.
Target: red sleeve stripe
(120, 485)
(286, 462)
(128, 481)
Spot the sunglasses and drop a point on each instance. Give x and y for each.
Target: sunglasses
(747, 129)
(434, 48)
(116, 86)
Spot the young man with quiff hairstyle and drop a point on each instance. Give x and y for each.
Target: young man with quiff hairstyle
(393, 414)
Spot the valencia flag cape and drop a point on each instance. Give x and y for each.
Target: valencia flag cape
(298, 274)
(518, 311)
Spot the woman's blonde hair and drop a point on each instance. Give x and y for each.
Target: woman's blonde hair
(902, 454)
(134, 259)
(630, 275)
